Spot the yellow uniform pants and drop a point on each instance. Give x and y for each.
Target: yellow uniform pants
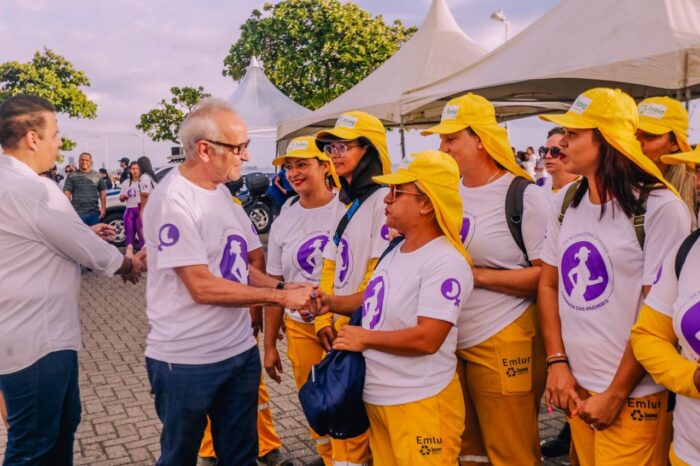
(421, 433)
(641, 435)
(503, 380)
(303, 351)
(267, 437)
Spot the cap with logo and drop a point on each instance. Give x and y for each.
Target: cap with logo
(356, 124)
(437, 175)
(475, 112)
(661, 115)
(304, 147)
(614, 114)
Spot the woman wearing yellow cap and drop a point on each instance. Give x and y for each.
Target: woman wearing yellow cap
(663, 129)
(499, 347)
(606, 240)
(358, 235)
(409, 316)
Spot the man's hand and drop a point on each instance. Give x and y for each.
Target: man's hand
(104, 231)
(326, 337)
(600, 411)
(103, 212)
(273, 364)
(318, 304)
(696, 376)
(134, 274)
(142, 255)
(297, 285)
(256, 319)
(296, 298)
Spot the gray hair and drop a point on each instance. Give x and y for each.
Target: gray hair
(201, 123)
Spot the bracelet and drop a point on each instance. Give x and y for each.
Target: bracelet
(555, 356)
(557, 361)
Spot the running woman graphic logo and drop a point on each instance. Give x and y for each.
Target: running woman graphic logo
(374, 301)
(168, 235)
(345, 265)
(585, 275)
(234, 260)
(452, 290)
(690, 328)
(309, 255)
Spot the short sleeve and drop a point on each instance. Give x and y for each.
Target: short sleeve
(378, 241)
(446, 283)
(146, 184)
(550, 244)
(251, 234)
(274, 251)
(179, 242)
(536, 209)
(664, 292)
(101, 185)
(68, 185)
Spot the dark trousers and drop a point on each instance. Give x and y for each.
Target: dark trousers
(90, 219)
(226, 391)
(43, 411)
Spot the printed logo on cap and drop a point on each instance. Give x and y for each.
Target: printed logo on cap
(344, 267)
(298, 145)
(374, 301)
(466, 233)
(690, 328)
(449, 112)
(580, 104)
(308, 255)
(234, 259)
(347, 121)
(586, 273)
(168, 235)
(451, 290)
(652, 110)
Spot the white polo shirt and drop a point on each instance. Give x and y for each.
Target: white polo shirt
(42, 244)
(189, 225)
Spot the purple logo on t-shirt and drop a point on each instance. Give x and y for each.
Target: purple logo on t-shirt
(452, 290)
(309, 256)
(384, 232)
(464, 232)
(373, 303)
(253, 229)
(234, 260)
(344, 252)
(584, 274)
(131, 192)
(167, 236)
(658, 275)
(690, 327)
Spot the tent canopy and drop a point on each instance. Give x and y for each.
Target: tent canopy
(645, 47)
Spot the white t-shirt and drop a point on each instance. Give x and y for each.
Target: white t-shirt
(679, 299)
(146, 183)
(365, 237)
(431, 281)
(296, 243)
(132, 191)
(529, 166)
(190, 225)
(486, 236)
(605, 258)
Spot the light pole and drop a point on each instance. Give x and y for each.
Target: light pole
(104, 139)
(143, 142)
(502, 18)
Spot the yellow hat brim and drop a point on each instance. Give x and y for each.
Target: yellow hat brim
(445, 127)
(568, 120)
(297, 155)
(690, 157)
(652, 128)
(347, 134)
(399, 177)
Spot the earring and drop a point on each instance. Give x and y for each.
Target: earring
(480, 146)
(422, 212)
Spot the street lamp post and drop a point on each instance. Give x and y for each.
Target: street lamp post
(502, 18)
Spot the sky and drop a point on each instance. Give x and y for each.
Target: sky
(133, 51)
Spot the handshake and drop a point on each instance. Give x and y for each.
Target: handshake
(308, 300)
(134, 265)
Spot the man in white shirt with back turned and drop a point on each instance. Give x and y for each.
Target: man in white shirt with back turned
(201, 355)
(43, 242)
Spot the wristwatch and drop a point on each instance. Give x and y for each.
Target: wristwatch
(280, 285)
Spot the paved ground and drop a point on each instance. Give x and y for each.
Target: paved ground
(119, 423)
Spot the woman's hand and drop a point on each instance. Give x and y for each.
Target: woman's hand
(350, 338)
(318, 304)
(561, 387)
(696, 376)
(600, 411)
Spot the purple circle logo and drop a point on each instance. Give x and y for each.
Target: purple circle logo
(658, 275)
(131, 192)
(452, 290)
(234, 260)
(373, 302)
(384, 232)
(690, 327)
(309, 255)
(584, 273)
(345, 258)
(168, 235)
(466, 233)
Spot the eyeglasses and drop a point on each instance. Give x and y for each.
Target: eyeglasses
(236, 149)
(553, 151)
(338, 148)
(393, 191)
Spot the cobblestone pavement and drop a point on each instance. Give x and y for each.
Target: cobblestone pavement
(119, 424)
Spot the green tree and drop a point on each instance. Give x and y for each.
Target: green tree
(163, 122)
(54, 78)
(314, 50)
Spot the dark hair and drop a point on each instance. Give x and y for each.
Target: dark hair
(103, 171)
(521, 156)
(555, 130)
(19, 115)
(618, 177)
(131, 164)
(85, 153)
(144, 164)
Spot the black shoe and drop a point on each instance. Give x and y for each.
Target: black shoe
(275, 458)
(558, 446)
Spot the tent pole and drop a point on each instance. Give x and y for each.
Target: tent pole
(403, 141)
(685, 81)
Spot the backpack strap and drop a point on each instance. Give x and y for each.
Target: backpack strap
(354, 207)
(514, 210)
(684, 250)
(294, 200)
(638, 220)
(568, 199)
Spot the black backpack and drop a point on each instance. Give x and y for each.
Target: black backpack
(514, 210)
(684, 250)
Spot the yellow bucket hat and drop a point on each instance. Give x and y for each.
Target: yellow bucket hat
(661, 115)
(475, 112)
(304, 147)
(356, 124)
(690, 157)
(437, 176)
(614, 114)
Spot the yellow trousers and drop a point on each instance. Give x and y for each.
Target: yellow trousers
(421, 433)
(503, 380)
(267, 437)
(303, 351)
(641, 435)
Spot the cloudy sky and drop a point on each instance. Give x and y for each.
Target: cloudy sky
(133, 51)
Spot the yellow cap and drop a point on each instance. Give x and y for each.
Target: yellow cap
(437, 176)
(614, 114)
(690, 157)
(356, 124)
(304, 147)
(661, 115)
(475, 112)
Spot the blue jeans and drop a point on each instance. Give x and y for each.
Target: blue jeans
(226, 391)
(90, 219)
(43, 411)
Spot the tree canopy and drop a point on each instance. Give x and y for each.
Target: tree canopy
(314, 50)
(163, 122)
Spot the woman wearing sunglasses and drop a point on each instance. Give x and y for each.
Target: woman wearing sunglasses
(499, 347)
(606, 240)
(558, 178)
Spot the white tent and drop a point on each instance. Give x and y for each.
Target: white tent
(645, 47)
(260, 103)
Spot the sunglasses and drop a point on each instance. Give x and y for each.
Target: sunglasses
(236, 149)
(338, 148)
(553, 151)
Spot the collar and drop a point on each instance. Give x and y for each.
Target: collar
(16, 164)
